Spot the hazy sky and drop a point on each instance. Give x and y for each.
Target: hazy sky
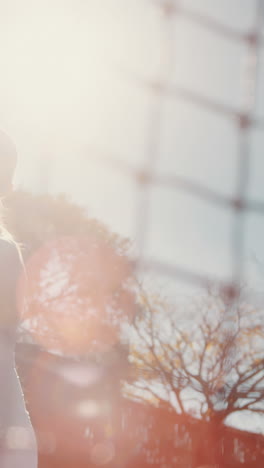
(66, 98)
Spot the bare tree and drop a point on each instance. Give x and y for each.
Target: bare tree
(209, 364)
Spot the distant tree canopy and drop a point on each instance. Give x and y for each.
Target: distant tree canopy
(35, 219)
(79, 275)
(210, 365)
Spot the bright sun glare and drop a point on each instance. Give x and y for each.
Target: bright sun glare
(62, 65)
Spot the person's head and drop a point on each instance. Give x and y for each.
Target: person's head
(8, 161)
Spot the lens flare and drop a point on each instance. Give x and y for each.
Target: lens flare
(92, 408)
(77, 295)
(102, 453)
(81, 375)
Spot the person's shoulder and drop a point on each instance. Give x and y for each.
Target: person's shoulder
(9, 251)
(7, 244)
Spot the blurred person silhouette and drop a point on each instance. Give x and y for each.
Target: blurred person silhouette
(18, 448)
